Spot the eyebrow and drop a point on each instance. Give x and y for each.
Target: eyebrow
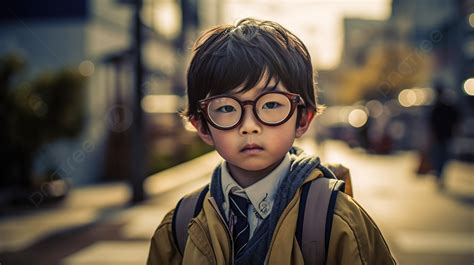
(270, 88)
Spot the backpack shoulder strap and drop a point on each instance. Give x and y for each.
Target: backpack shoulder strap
(187, 208)
(315, 215)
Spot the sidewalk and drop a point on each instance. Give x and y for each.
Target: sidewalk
(421, 224)
(92, 226)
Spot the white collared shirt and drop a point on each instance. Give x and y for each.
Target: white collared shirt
(261, 194)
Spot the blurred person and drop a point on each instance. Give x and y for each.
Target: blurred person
(443, 119)
(251, 92)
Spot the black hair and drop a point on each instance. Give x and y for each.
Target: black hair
(227, 57)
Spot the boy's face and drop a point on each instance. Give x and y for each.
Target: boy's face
(253, 146)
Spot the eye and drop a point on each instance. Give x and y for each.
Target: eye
(226, 109)
(271, 105)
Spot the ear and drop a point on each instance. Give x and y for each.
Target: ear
(307, 116)
(202, 131)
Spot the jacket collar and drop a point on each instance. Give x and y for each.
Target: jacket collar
(262, 191)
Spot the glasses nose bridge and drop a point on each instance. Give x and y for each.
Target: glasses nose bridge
(248, 102)
(245, 103)
(244, 111)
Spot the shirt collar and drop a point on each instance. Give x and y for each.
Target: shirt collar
(262, 193)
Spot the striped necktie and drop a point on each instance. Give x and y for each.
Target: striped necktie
(239, 223)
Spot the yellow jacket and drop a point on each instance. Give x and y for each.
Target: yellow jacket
(355, 238)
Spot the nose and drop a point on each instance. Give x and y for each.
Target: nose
(249, 124)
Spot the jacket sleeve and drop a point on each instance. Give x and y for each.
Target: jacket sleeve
(163, 249)
(355, 238)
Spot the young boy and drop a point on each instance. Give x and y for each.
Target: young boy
(250, 94)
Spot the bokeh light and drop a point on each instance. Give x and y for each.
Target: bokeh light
(469, 86)
(167, 18)
(407, 98)
(375, 108)
(357, 118)
(86, 68)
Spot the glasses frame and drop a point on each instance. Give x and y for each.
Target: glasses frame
(295, 101)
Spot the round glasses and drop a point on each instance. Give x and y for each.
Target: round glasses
(226, 112)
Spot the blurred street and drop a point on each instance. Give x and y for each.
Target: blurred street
(421, 224)
(94, 149)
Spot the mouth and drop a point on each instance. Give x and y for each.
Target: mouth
(251, 148)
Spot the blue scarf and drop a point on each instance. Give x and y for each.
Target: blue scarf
(256, 251)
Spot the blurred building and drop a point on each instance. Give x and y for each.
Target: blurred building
(360, 35)
(390, 67)
(96, 37)
(437, 27)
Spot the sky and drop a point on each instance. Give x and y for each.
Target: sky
(319, 23)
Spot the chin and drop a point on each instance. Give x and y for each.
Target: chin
(255, 166)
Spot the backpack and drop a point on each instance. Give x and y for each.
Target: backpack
(314, 223)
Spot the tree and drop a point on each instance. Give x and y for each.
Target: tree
(35, 113)
(388, 69)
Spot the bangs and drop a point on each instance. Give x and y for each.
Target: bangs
(238, 67)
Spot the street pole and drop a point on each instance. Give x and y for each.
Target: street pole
(137, 176)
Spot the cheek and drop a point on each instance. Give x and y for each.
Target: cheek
(282, 137)
(284, 134)
(289, 127)
(224, 141)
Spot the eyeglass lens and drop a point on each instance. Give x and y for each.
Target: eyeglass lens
(270, 108)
